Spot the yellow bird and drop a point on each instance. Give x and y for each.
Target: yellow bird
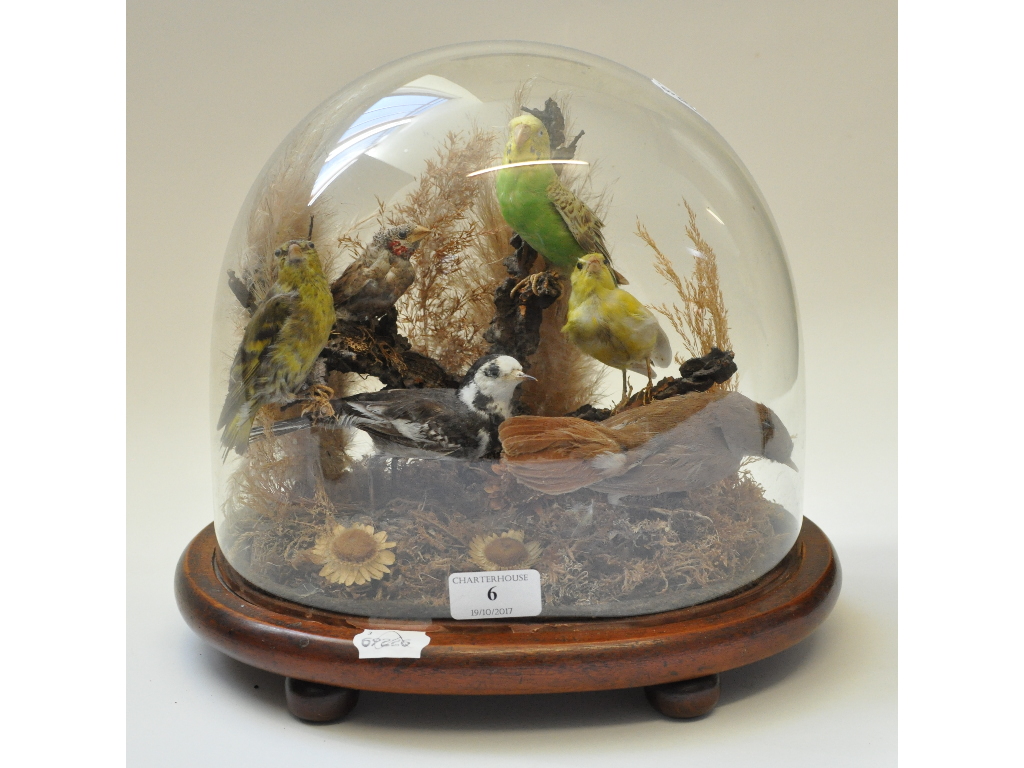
(281, 342)
(610, 324)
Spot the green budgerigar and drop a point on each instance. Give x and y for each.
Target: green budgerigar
(281, 342)
(539, 207)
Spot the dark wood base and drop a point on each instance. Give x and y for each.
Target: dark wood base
(318, 703)
(676, 656)
(685, 699)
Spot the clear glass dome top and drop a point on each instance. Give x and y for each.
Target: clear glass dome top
(506, 306)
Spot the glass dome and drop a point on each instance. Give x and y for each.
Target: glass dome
(506, 307)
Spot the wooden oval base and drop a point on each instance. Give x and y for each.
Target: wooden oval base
(676, 655)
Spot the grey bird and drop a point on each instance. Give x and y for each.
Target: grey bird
(681, 443)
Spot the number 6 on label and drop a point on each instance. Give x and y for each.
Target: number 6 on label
(494, 594)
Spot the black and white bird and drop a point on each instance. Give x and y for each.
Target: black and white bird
(426, 423)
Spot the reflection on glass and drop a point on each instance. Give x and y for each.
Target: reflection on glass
(372, 127)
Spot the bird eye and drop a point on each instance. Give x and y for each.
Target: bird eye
(579, 265)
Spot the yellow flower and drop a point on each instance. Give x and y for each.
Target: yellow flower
(353, 555)
(504, 552)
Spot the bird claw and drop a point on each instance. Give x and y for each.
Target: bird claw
(544, 284)
(318, 402)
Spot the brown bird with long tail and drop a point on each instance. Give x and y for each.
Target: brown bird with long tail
(679, 444)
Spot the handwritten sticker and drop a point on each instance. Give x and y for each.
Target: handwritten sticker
(390, 643)
(494, 594)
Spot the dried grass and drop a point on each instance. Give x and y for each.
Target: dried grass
(702, 321)
(446, 311)
(282, 212)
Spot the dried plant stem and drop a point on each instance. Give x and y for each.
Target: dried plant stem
(702, 321)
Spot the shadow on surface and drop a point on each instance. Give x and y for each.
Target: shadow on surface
(741, 683)
(526, 712)
(250, 682)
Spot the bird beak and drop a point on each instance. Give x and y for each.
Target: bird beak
(294, 253)
(520, 134)
(418, 234)
(524, 376)
(791, 465)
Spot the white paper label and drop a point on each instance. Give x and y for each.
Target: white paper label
(390, 643)
(494, 594)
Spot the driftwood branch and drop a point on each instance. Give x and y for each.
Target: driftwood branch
(698, 374)
(554, 121)
(378, 349)
(241, 290)
(515, 327)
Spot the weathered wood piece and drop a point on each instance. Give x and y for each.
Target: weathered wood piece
(378, 349)
(698, 374)
(554, 121)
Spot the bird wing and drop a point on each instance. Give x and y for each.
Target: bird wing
(556, 437)
(691, 455)
(638, 325)
(363, 274)
(405, 417)
(581, 221)
(263, 329)
(558, 454)
(662, 355)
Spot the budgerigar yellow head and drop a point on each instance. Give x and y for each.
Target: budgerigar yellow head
(527, 140)
(592, 271)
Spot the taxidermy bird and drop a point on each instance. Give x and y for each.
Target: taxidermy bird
(543, 211)
(682, 443)
(427, 423)
(282, 339)
(610, 324)
(372, 283)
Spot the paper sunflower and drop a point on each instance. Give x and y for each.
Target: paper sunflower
(503, 552)
(353, 555)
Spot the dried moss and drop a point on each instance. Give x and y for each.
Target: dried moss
(597, 558)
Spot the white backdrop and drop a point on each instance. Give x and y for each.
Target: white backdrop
(804, 92)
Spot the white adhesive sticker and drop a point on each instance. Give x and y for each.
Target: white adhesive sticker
(494, 594)
(390, 643)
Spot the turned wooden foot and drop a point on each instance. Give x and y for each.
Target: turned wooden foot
(318, 703)
(685, 699)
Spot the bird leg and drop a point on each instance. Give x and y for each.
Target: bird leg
(627, 392)
(318, 402)
(648, 398)
(538, 284)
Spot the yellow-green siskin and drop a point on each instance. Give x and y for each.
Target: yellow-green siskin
(281, 341)
(542, 210)
(610, 324)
